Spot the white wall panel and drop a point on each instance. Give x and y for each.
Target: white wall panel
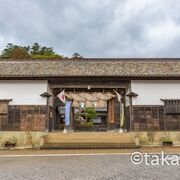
(150, 91)
(23, 92)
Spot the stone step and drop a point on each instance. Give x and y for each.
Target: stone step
(89, 146)
(89, 140)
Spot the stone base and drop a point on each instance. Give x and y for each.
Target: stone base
(27, 139)
(157, 138)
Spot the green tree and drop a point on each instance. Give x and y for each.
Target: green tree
(20, 53)
(76, 56)
(90, 113)
(43, 52)
(15, 52)
(35, 51)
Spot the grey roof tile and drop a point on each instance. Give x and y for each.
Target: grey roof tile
(91, 67)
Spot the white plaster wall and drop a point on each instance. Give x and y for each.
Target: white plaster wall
(150, 91)
(23, 92)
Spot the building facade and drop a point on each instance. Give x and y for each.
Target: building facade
(150, 106)
(148, 91)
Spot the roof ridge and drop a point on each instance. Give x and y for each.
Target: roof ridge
(92, 59)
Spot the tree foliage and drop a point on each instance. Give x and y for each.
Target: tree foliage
(90, 113)
(76, 56)
(15, 52)
(35, 51)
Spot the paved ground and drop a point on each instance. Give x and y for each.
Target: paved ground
(82, 167)
(85, 151)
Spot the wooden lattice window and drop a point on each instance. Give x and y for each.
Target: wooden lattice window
(4, 106)
(171, 106)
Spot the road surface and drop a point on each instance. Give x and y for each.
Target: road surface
(82, 167)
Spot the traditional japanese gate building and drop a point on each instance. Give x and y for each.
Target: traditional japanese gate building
(149, 89)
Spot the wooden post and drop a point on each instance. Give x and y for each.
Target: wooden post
(47, 96)
(131, 95)
(72, 119)
(131, 114)
(47, 114)
(53, 116)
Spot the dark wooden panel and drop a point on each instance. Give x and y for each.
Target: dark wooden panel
(153, 118)
(23, 118)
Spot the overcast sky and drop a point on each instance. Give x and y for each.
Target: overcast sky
(94, 28)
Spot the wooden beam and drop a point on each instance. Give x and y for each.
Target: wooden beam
(86, 86)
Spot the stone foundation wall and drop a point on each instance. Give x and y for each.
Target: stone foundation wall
(25, 139)
(157, 138)
(30, 139)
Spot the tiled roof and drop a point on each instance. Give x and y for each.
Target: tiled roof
(91, 67)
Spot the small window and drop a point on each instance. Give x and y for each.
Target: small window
(4, 107)
(172, 106)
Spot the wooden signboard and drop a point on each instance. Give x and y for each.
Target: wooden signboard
(111, 111)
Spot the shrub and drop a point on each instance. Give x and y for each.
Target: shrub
(90, 113)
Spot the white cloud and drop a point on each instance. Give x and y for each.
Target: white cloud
(163, 34)
(106, 28)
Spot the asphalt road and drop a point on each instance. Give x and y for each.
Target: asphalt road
(82, 167)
